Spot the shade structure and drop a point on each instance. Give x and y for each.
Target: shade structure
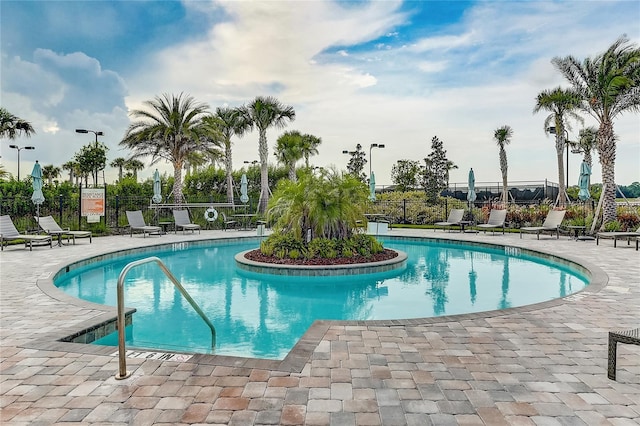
(37, 197)
(157, 188)
(471, 194)
(244, 197)
(583, 181)
(372, 187)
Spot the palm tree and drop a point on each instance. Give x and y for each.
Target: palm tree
(12, 126)
(263, 113)
(503, 136)
(3, 173)
(587, 143)
(50, 172)
(289, 150)
(170, 130)
(609, 86)
(228, 122)
(310, 146)
(119, 163)
(560, 103)
(70, 166)
(132, 165)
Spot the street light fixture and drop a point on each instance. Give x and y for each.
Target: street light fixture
(253, 163)
(20, 148)
(97, 133)
(373, 145)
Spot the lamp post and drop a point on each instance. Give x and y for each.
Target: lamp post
(20, 148)
(373, 145)
(253, 163)
(97, 133)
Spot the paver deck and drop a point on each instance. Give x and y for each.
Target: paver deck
(543, 365)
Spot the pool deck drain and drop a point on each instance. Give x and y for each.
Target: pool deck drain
(545, 365)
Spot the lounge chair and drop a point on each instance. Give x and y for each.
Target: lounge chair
(551, 224)
(49, 225)
(182, 221)
(8, 232)
(454, 219)
(496, 220)
(136, 223)
(619, 235)
(630, 337)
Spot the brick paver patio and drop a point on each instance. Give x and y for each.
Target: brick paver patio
(543, 365)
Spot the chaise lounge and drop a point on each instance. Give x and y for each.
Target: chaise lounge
(454, 219)
(182, 221)
(496, 220)
(49, 225)
(137, 223)
(619, 235)
(9, 232)
(551, 224)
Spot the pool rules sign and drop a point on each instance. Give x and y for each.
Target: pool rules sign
(92, 204)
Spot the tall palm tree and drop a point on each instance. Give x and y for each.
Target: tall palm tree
(70, 166)
(12, 126)
(263, 113)
(170, 129)
(50, 172)
(227, 122)
(609, 85)
(587, 143)
(119, 163)
(562, 104)
(310, 144)
(289, 150)
(134, 166)
(502, 137)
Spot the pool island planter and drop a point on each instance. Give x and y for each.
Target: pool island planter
(396, 263)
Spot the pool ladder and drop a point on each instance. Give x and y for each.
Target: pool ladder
(123, 373)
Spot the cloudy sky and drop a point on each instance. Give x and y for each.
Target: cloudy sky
(388, 72)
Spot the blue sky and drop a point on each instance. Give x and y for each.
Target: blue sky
(387, 72)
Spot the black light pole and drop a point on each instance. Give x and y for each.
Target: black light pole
(373, 145)
(97, 133)
(20, 148)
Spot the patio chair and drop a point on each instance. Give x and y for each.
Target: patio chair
(136, 223)
(8, 232)
(619, 235)
(228, 222)
(496, 220)
(630, 337)
(49, 225)
(454, 219)
(182, 221)
(551, 224)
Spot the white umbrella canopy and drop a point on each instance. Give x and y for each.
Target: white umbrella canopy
(372, 187)
(157, 188)
(37, 197)
(471, 194)
(244, 197)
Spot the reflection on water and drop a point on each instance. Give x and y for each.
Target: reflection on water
(257, 316)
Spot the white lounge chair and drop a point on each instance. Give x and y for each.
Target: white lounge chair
(551, 224)
(454, 219)
(619, 235)
(182, 221)
(496, 220)
(136, 223)
(8, 232)
(49, 225)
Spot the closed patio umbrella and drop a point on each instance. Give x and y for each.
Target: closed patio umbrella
(583, 181)
(157, 188)
(37, 197)
(372, 187)
(244, 197)
(471, 193)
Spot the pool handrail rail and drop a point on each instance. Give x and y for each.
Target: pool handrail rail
(123, 373)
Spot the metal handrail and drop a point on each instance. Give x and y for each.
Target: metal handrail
(123, 373)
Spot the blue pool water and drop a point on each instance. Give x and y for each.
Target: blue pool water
(259, 316)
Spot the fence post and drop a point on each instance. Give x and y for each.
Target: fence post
(80, 206)
(404, 211)
(117, 212)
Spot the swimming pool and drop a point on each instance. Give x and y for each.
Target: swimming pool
(263, 317)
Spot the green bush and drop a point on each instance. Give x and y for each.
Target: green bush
(283, 246)
(613, 226)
